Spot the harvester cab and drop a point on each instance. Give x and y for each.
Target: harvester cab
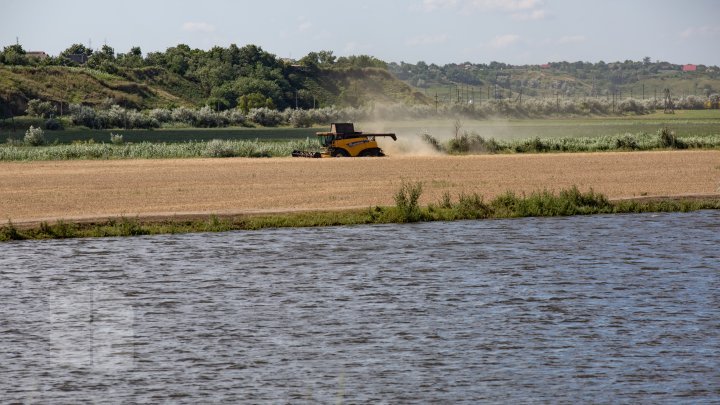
(344, 141)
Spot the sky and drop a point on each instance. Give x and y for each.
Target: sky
(434, 31)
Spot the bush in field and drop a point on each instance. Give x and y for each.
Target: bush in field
(183, 115)
(162, 115)
(690, 103)
(631, 106)
(116, 139)
(53, 124)
(406, 201)
(82, 115)
(220, 148)
(34, 136)
(265, 117)
(234, 117)
(207, 118)
(42, 109)
(299, 118)
(668, 139)
(432, 141)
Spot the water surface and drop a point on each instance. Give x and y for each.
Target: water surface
(619, 308)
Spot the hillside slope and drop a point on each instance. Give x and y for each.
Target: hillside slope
(18, 84)
(151, 87)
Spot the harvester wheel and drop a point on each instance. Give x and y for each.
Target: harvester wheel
(340, 153)
(371, 152)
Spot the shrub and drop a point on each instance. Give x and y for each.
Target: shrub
(34, 136)
(53, 124)
(432, 141)
(472, 206)
(162, 115)
(42, 109)
(265, 117)
(220, 148)
(668, 139)
(83, 115)
(626, 142)
(299, 118)
(406, 201)
(116, 139)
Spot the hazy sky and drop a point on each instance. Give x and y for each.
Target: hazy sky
(434, 31)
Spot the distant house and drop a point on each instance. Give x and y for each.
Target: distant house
(689, 68)
(36, 54)
(79, 58)
(545, 66)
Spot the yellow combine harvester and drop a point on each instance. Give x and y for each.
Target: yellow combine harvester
(344, 141)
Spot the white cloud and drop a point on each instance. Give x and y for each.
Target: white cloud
(305, 26)
(432, 5)
(427, 40)
(503, 41)
(703, 31)
(198, 27)
(531, 16)
(572, 39)
(503, 5)
(482, 5)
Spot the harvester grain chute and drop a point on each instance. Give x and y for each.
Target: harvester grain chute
(344, 141)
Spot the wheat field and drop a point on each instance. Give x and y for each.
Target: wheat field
(76, 190)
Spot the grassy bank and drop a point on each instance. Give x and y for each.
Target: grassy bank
(449, 208)
(146, 150)
(464, 144)
(170, 135)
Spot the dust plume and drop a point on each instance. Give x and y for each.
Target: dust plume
(408, 142)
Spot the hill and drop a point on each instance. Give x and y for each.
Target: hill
(249, 77)
(643, 79)
(246, 77)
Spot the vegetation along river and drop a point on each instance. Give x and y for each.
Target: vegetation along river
(621, 308)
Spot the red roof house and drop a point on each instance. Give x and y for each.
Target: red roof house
(689, 68)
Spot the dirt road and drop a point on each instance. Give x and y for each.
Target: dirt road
(34, 191)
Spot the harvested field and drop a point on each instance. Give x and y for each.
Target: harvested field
(36, 191)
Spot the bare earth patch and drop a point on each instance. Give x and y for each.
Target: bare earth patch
(36, 191)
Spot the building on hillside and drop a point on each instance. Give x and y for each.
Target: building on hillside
(79, 58)
(689, 68)
(545, 66)
(36, 54)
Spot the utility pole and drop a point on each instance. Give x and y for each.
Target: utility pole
(436, 102)
(643, 91)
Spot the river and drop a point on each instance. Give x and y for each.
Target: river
(622, 308)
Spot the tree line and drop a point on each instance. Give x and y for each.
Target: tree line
(246, 77)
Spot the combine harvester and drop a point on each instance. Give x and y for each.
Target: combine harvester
(344, 141)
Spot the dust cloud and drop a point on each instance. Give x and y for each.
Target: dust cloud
(409, 143)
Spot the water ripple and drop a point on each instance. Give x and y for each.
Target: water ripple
(581, 309)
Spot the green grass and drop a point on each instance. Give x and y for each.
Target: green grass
(160, 135)
(683, 123)
(146, 150)
(664, 138)
(466, 206)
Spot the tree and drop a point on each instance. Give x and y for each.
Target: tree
(103, 60)
(42, 109)
(14, 55)
(132, 59)
(75, 54)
